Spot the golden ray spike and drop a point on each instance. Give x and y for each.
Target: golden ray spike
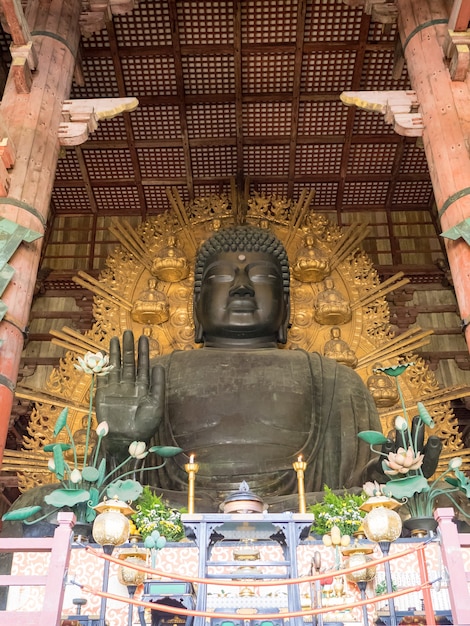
(298, 215)
(182, 217)
(88, 344)
(437, 397)
(128, 242)
(94, 286)
(377, 293)
(396, 346)
(43, 397)
(376, 290)
(355, 237)
(412, 347)
(20, 454)
(348, 234)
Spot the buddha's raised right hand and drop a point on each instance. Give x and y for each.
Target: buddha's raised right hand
(130, 399)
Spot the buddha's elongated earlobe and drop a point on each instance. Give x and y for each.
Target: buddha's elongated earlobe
(198, 329)
(282, 332)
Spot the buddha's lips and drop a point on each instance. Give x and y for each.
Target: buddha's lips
(242, 305)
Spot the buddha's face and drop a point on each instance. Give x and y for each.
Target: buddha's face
(241, 297)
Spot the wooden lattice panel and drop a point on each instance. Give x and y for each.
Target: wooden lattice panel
(412, 193)
(122, 199)
(149, 75)
(269, 21)
(219, 160)
(367, 123)
(326, 71)
(322, 118)
(382, 163)
(216, 120)
(67, 166)
(113, 130)
(156, 122)
(212, 74)
(267, 119)
(365, 193)
(268, 73)
(100, 79)
(332, 21)
(104, 164)
(325, 195)
(414, 160)
(263, 160)
(203, 22)
(161, 162)
(71, 202)
(377, 70)
(318, 159)
(150, 25)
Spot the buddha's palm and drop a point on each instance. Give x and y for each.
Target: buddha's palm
(129, 399)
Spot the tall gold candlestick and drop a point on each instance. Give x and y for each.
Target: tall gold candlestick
(300, 466)
(192, 469)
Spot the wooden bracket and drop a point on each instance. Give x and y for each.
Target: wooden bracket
(399, 108)
(81, 117)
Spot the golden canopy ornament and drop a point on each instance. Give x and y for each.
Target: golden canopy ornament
(329, 253)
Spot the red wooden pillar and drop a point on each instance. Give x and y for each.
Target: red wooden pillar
(445, 109)
(32, 122)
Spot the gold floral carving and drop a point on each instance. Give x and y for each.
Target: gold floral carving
(368, 332)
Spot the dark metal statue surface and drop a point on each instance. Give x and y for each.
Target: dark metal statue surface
(243, 405)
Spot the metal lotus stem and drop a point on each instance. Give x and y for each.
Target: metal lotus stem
(192, 469)
(300, 466)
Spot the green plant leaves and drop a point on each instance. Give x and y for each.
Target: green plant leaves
(61, 421)
(406, 487)
(58, 461)
(372, 437)
(50, 446)
(67, 497)
(21, 514)
(101, 472)
(93, 501)
(91, 474)
(126, 490)
(424, 415)
(166, 451)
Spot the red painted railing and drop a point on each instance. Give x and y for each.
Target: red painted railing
(53, 579)
(452, 543)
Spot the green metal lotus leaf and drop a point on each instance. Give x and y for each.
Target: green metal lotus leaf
(166, 451)
(91, 474)
(406, 487)
(460, 481)
(93, 501)
(372, 437)
(59, 464)
(67, 497)
(61, 421)
(101, 472)
(424, 415)
(50, 446)
(20, 514)
(394, 370)
(126, 490)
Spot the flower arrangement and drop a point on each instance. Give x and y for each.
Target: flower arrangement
(83, 483)
(153, 514)
(337, 510)
(406, 467)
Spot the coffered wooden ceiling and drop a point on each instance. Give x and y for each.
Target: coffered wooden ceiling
(251, 87)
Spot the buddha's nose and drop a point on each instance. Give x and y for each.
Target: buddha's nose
(242, 286)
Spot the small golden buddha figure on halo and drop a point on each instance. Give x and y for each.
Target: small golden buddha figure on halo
(382, 388)
(151, 307)
(338, 349)
(330, 306)
(311, 264)
(154, 346)
(170, 263)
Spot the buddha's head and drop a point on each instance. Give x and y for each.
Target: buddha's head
(241, 288)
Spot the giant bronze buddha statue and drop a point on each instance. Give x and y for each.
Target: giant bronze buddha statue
(243, 405)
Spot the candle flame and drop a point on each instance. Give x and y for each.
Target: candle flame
(299, 459)
(191, 458)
